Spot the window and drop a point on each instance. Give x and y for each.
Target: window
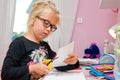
(20, 23)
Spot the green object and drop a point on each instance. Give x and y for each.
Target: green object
(117, 51)
(117, 29)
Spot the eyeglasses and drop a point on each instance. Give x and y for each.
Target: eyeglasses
(47, 24)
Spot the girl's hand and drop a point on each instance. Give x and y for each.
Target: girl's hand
(39, 68)
(72, 59)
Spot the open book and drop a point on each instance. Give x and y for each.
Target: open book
(63, 54)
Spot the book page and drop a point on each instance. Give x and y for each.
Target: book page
(63, 54)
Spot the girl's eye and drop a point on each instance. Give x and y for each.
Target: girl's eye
(46, 23)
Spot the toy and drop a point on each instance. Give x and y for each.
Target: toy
(92, 51)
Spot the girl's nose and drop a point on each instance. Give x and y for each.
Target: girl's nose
(48, 29)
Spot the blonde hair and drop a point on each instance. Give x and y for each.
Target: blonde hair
(38, 8)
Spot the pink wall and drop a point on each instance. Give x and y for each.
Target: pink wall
(94, 28)
(118, 18)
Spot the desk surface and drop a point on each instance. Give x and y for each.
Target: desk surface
(84, 71)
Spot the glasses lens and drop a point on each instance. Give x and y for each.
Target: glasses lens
(53, 28)
(47, 24)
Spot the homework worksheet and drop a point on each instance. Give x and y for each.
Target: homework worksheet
(62, 54)
(65, 76)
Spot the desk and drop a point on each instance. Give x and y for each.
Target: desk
(64, 76)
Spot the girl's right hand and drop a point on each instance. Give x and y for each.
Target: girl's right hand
(39, 68)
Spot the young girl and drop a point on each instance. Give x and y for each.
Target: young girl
(25, 54)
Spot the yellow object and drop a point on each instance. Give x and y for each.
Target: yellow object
(48, 62)
(108, 67)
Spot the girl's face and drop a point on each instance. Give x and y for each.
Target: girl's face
(44, 24)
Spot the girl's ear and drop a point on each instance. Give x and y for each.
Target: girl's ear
(32, 20)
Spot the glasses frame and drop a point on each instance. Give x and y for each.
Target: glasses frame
(47, 24)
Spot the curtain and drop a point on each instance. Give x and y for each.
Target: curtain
(63, 35)
(7, 12)
(118, 17)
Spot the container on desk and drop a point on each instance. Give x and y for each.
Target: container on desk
(117, 75)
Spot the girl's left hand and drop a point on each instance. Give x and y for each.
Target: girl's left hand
(72, 59)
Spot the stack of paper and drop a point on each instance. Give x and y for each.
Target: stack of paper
(84, 61)
(65, 76)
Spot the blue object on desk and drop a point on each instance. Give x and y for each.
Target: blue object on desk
(95, 72)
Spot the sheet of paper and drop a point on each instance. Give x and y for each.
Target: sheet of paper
(65, 76)
(63, 54)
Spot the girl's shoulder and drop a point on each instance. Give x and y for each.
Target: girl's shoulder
(18, 41)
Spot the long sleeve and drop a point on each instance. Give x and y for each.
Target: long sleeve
(12, 68)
